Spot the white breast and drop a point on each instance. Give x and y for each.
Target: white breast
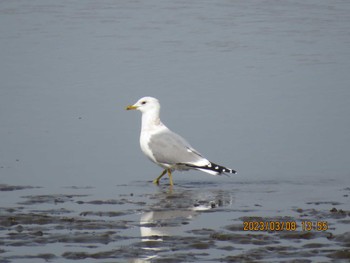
(144, 140)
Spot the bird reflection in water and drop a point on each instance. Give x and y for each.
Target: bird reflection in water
(173, 214)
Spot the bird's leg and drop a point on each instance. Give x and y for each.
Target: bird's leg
(170, 177)
(156, 181)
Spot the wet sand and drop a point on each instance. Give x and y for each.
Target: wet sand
(192, 222)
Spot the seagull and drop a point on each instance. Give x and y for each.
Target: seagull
(166, 148)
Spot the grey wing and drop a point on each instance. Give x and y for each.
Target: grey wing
(170, 148)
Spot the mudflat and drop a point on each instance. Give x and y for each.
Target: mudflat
(190, 222)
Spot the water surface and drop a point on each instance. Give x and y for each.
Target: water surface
(259, 86)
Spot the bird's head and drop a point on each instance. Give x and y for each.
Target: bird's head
(145, 104)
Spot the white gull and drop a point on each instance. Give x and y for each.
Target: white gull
(166, 148)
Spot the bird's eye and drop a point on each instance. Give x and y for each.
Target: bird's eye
(143, 102)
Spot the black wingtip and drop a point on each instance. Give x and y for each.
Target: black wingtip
(218, 169)
(230, 171)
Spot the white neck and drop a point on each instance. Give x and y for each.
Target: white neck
(151, 120)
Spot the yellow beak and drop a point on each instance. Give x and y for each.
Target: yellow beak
(131, 107)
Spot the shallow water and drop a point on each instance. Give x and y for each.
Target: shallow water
(191, 222)
(259, 86)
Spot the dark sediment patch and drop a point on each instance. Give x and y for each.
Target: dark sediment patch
(49, 199)
(122, 201)
(47, 257)
(245, 238)
(102, 202)
(324, 203)
(6, 187)
(104, 213)
(340, 254)
(298, 235)
(315, 245)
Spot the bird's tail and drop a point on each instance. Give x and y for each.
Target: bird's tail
(213, 168)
